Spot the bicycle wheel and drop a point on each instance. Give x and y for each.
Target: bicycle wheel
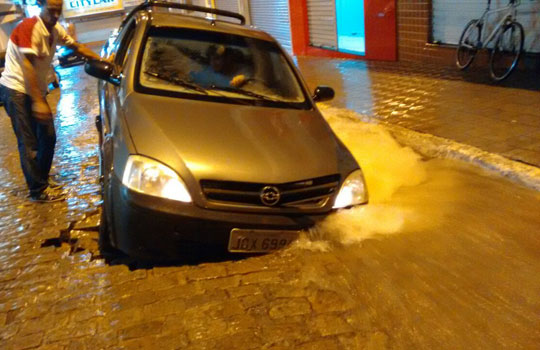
(507, 51)
(468, 44)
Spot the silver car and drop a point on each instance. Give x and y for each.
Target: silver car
(209, 138)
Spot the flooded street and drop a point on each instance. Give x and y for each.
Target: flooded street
(457, 266)
(445, 256)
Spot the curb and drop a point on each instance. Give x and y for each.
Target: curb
(437, 147)
(431, 146)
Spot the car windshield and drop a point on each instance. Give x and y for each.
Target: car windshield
(212, 65)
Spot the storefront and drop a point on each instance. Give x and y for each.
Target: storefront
(345, 28)
(337, 25)
(335, 28)
(451, 16)
(429, 30)
(95, 19)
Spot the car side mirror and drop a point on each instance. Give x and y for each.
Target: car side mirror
(323, 93)
(102, 70)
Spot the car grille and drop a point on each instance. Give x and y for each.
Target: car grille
(305, 194)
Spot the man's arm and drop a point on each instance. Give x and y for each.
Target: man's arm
(83, 51)
(40, 107)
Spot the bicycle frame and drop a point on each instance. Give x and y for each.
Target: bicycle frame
(503, 37)
(510, 13)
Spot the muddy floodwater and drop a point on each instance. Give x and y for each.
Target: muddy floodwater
(446, 256)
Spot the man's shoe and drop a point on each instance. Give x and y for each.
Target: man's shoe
(48, 196)
(53, 185)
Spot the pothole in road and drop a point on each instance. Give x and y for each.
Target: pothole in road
(80, 236)
(81, 240)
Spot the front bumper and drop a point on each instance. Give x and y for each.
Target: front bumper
(147, 226)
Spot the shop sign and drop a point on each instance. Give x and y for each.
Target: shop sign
(77, 8)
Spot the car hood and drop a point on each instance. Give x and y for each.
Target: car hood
(230, 142)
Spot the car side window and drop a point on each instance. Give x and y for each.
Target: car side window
(124, 43)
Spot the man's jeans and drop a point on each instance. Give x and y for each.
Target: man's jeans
(35, 139)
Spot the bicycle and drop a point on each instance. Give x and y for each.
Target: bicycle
(508, 35)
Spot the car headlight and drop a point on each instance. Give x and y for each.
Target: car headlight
(353, 191)
(150, 177)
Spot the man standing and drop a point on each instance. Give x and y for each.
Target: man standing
(23, 86)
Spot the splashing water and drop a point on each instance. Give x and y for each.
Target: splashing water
(387, 166)
(360, 223)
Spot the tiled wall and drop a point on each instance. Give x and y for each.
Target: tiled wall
(414, 30)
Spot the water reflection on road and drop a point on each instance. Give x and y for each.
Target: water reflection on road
(445, 256)
(453, 262)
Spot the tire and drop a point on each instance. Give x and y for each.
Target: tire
(106, 230)
(468, 44)
(105, 245)
(507, 51)
(99, 128)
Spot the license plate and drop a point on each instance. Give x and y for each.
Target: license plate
(259, 241)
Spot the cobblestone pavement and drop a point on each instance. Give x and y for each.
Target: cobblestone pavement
(462, 106)
(57, 293)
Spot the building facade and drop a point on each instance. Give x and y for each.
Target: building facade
(404, 30)
(428, 30)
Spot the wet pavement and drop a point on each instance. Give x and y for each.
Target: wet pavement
(465, 106)
(447, 258)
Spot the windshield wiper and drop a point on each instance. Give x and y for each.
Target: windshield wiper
(243, 92)
(178, 81)
(251, 94)
(195, 87)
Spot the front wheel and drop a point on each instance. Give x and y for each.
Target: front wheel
(507, 51)
(105, 245)
(468, 44)
(106, 229)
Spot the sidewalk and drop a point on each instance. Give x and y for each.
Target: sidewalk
(462, 106)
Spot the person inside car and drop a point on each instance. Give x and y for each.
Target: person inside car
(221, 70)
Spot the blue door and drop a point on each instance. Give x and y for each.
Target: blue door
(350, 26)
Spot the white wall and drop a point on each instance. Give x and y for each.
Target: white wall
(7, 23)
(451, 16)
(91, 30)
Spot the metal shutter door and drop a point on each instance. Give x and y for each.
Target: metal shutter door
(322, 23)
(451, 16)
(229, 5)
(202, 3)
(272, 16)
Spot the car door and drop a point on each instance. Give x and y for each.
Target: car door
(111, 91)
(112, 110)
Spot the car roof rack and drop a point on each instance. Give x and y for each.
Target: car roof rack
(189, 7)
